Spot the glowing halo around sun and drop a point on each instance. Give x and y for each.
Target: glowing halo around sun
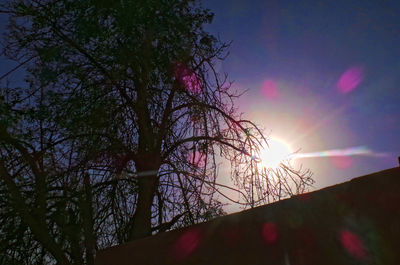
(274, 154)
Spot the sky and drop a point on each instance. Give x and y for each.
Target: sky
(322, 76)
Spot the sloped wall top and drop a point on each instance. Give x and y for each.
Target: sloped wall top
(356, 222)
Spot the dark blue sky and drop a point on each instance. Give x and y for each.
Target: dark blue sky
(301, 50)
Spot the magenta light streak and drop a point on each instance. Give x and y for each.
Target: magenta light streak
(269, 89)
(270, 232)
(342, 162)
(188, 78)
(197, 159)
(186, 244)
(353, 244)
(350, 79)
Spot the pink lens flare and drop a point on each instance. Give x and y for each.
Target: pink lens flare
(269, 89)
(186, 244)
(187, 78)
(342, 162)
(197, 159)
(270, 232)
(353, 244)
(350, 79)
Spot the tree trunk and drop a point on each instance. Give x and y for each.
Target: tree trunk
(147, 167)
(142, 219)
(88, 225)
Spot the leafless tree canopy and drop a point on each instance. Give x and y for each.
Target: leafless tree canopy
(118, 127)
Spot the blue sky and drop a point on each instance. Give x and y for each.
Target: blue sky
(302, 49)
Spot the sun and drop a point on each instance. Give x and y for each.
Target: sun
(272, 155)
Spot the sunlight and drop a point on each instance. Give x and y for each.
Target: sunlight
(272, 155)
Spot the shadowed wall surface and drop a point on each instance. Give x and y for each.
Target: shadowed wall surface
(356, 222)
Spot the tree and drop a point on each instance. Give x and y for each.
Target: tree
(118, 132)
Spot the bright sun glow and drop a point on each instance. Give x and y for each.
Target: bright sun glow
(272, 155)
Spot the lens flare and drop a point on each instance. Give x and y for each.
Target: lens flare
(186, 244)
(188, 78)
(270, 232)
(353, 244)
(351, 151)
(197, 159)
(269, 89)
(350, 79)
(342, 162)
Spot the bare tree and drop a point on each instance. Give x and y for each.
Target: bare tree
(117, 133)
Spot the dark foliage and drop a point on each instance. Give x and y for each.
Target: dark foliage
(118, 128)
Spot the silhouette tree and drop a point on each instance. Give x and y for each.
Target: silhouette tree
(118, 131)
